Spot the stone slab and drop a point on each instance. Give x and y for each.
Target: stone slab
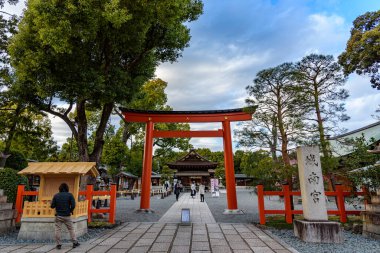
(44, 229)
(320, 232)
(311, 184)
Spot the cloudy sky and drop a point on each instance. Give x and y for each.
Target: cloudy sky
(234, 39)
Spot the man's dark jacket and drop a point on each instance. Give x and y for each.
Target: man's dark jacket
(64, 203)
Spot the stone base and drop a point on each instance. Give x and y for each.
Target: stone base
(318, 231)
(371, 222)
(44, 228)
(233, 211)
(7, 219)
(144, 211)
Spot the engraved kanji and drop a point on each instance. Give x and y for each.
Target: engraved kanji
(313, 178)
(315, 195)
(311, 160)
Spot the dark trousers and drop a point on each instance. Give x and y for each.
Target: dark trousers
(202, 197)
(176, 196)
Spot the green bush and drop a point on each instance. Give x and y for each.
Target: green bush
(16, 161)
(9, 179)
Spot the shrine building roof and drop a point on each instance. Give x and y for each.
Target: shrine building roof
(192, 160)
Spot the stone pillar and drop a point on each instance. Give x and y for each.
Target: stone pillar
(315, 227)
(371, 217)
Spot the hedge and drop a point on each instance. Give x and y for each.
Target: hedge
(9, 179)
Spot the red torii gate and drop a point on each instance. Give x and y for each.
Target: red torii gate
(151, 117)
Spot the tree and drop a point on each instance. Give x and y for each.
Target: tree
(279, 108)
(95, 54)
(321, 79)
(261, 132)
(362, 51)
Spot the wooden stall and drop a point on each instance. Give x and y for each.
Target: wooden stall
(52, 175)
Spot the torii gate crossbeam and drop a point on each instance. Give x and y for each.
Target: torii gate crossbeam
(152, 117)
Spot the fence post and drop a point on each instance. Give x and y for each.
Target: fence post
(19, 201)
(340, 204)
(89, 190)
(288, 206)
(112, 204)
(260, 198)
(366, 196)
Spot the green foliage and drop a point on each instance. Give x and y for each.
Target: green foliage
(369, 177)
(94, 55)
(220, 174)
(261, 166)
(16, 161)
(362, 51)
(320, 80)
(9, 179)
(166, 174)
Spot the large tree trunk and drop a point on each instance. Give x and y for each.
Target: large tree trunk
(99, 142)
(82, 142)
(10, 136)
(321, 130)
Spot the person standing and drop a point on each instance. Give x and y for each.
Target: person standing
(202, 192)
(177, 190)
(193, 191)
(64, 204)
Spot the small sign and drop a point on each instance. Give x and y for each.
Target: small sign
(185, 216)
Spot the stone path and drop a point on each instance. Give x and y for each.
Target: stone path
(199, 211)
(171, 237)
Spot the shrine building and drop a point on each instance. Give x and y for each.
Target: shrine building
(193, 168)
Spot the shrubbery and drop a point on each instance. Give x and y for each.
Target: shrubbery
(9, 179)
(16, 161)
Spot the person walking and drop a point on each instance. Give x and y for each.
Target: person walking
(177, 190)
(64, 204)
(193, 189)
(202, 192)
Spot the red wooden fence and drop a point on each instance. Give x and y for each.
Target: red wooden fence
(89, 193)
(288, 211)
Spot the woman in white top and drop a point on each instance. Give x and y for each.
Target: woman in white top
(193, 190)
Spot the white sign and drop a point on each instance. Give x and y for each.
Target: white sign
(311, 182)
(185, 215)
(214, 187)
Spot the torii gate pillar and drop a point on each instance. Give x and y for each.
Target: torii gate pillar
(232, 206)
(147, 168)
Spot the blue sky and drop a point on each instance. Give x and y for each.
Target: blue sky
(234, 39)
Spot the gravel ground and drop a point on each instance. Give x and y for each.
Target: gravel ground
(126, 209)
(352, 243)
(11, 238)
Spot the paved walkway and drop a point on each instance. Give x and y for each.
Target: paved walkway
(199, 211)
(170, 237)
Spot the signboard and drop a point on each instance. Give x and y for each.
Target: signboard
(214, 187)
(185, 216)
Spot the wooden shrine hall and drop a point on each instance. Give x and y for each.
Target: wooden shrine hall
(225, 117)
(193, 168)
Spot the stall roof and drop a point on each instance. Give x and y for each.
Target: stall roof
(55, 168)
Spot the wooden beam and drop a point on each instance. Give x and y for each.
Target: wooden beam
(187, 134)
(186, 118)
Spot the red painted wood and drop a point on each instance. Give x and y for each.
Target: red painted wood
(112, 204)
(340, 200)
(229, 167)
(19, 201)
(89, 191)
(147, 167)
(260, 199)
(187, 134)
(185, 118)
(288, 206)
